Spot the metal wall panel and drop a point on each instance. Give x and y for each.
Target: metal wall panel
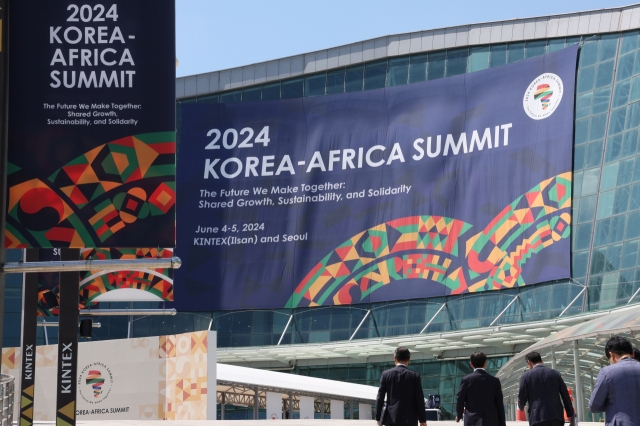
(225, 80)
(484, 36)
(552, 27)
(333, 56)
(214, 82)
(321, 60)
(380, 49)
(583, 24)
(272, 70)
(356, 53)
(202, 84)
(496, 32)
(297, 65)
(190, 86)
(309, 62)
(284, 68)
(236, 78)
(507, 32)
(180, 88)
(529, 30)
(416, 43)
(635, 17)
(368, 50)
(518, 31)
(405, 44)
(625, 19)
(248, 75)
(615, 21)
(450, 37)
(427, 40)
(541, 28)
(605, 22)
(563, 27)
(345, 56)
(394, 45)
(261, 73)
(573, 25)
(462, 36)
(438, 40)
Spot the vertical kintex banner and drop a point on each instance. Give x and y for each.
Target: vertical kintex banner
(92, 124)
(456, 185)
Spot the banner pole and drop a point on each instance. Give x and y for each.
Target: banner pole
(29, 332)
(4, 107)
(67, 343)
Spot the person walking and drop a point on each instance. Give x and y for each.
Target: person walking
(545, 392)
(636, 354)
(403, 390)
(480, 396)
(618, 385)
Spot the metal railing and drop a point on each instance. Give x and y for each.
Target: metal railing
(7, 386)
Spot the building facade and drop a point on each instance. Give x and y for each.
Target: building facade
(355, 343)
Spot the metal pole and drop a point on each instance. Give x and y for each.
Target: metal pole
(593, 415)
(46, 335)
(322, 407)
(572, 302)
(433, 317)
(125, 312)
(290, 405)
(504, 310)
(4, 137)
(256, 404)
(223, 397)
(553, 358)
(351, 409)
(285, 329)
(578, 381)
(91, 265)
(360, 325)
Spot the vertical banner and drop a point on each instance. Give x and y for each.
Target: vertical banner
(67, 343)
(92, 136)
(29, 332)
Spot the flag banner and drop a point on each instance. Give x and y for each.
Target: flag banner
(456, 185)
(29, 336)
(91, 156)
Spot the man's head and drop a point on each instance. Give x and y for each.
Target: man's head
(402, 355)
(478, 360)
(533, 358)
(636, 354)
(616, 348)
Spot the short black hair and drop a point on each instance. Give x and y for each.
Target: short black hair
(402, 354)
(533, 357)
(478, 359)
(636, 354)
(618, 345)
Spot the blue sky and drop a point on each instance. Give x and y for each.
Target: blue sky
(217, 34)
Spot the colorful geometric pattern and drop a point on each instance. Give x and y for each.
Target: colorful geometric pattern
(544, 93)
(95, 379)
(158, 282)
(427, 248)
(96, 195)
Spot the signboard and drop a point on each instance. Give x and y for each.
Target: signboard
(456, 185)
(92, 124)
(169, 377)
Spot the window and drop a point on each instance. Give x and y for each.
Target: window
(314, 85)
(478, 58)
(417, 68)
(252, 94)
(335, 82)
(457, 61)
(292, 88)
(375, 75)
(354, 80)
(436, 65)
(398, 71)
(271, 91)
(230, 97)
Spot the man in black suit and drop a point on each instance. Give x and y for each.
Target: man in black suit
(403, 388)
(543, 388)
(480, 396)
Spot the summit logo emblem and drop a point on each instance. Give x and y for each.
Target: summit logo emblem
(95, 382)
(543, 96)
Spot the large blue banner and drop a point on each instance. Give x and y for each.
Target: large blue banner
(456, 185)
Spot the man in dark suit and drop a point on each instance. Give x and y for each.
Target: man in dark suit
(480, 396)
(403, 389)
(543, 388)
(618, 385)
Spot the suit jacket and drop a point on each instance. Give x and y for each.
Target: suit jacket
(543, 388)
(616, 393)
(480, 394)
(405, 399)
